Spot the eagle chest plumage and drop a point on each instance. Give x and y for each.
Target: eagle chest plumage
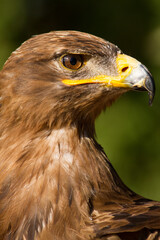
(56, 182)
(54, 191)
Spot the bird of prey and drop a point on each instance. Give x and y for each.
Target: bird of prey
(56, 182)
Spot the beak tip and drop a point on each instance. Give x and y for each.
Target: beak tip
(151, 98)
(142, 80)
(150, 87)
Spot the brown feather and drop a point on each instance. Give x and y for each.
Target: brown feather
(55, 180)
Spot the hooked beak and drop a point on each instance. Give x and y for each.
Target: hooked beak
(135, 76)
(140, 79)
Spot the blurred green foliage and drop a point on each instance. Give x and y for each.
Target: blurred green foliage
(129, 131)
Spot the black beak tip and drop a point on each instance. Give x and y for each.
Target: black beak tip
(150, 87)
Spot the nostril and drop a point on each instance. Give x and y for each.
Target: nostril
(124, 69)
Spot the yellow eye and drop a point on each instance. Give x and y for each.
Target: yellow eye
(72, 61)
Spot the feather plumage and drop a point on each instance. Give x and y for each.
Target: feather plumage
(56, 182)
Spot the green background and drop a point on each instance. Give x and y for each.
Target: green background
(129, 131)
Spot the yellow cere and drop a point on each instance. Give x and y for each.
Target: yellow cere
(125, 64)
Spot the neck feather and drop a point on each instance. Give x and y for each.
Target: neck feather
(48, 172)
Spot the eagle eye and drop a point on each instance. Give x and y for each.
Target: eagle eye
(72, 61)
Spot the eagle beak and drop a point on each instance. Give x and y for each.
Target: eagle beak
(142, 80)
(136, 75)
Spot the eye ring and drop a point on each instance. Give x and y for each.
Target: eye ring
(72, 61)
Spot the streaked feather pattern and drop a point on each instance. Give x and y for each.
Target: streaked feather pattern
(56, 182)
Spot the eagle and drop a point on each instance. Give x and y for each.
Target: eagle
(56, 182)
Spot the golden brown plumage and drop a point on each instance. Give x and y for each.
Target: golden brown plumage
(56, 183)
